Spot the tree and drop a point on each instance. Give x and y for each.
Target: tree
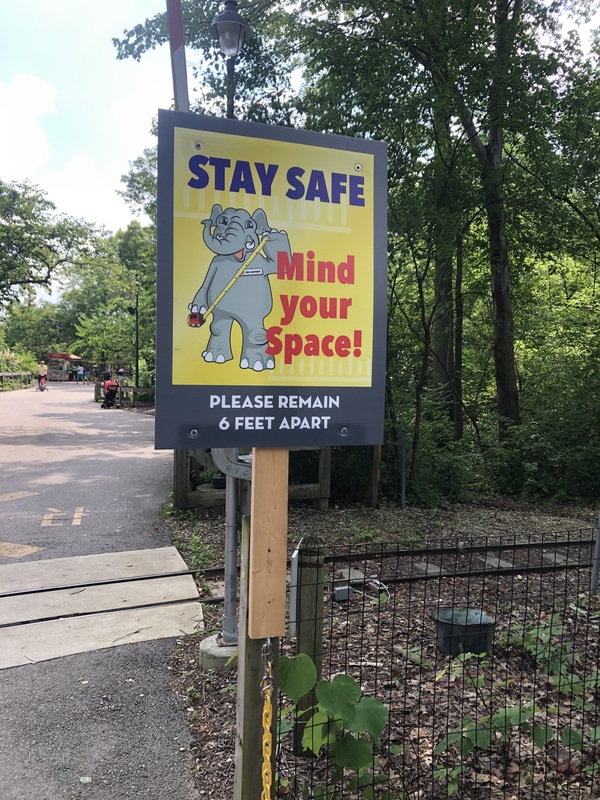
(35, 241)
(140, 184)
(39, 329)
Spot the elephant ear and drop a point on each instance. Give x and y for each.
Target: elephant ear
(260, 218)
(215, 213)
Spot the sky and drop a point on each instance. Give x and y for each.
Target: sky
(73, 117)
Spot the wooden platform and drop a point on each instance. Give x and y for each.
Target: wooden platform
(76, 613)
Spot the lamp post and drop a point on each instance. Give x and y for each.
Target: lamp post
(231, 30)
(134, 311)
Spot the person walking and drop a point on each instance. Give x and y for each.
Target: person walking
(80, 374)
(42, 372)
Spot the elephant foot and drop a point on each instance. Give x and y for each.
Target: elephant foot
(258, 365)
(209, 356)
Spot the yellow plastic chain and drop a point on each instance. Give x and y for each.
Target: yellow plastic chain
(267, 718)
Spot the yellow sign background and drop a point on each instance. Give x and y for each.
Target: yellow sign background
(331, 231)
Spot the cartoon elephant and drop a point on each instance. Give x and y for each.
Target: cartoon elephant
(233, 235)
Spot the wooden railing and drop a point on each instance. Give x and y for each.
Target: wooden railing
(126, 393)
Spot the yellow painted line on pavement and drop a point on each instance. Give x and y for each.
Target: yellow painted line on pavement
(50, 516)
(11, 550)
(15, 496)
(54, 517)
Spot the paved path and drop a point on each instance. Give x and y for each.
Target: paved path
(77, 482)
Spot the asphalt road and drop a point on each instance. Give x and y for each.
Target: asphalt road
(76, 479)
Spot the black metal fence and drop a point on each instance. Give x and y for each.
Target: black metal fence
(485, 655)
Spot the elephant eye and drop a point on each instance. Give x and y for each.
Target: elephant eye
(223, 220)
(249, 223)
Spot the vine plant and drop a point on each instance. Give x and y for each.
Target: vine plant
(344, 725)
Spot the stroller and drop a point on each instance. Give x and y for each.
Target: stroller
(110, 392)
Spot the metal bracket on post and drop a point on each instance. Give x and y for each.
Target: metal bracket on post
(230, 463)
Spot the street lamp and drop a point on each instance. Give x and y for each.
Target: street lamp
(134, 311)
(231, 30)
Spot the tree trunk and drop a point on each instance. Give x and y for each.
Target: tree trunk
(503, 343)
(395, 430)
(443, 232)
(458, 342)
(442, 335)
(419, 389)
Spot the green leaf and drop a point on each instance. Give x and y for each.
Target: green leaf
(595, 735)
(353, 753)
(542, 734)
(340, 697)
(510, 717)
(453, 737)
(482, 738)
(573, 738)
(296, 675)
(371, 717)
(284, 727)
(366, 778)
(320, 730)
(465, 746)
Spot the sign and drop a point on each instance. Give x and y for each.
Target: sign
(271, 308)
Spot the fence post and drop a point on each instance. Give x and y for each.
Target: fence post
(309, 621)
(374, 475)
(324, 477)
(596, 562)
(181, 478)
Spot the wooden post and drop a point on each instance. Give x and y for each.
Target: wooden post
(249, 705)
(268, 543)
(309, 621)
(374, 475)
(324, 477)
(181, 478)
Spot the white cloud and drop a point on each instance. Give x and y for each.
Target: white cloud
(86, 190)
(24, 145)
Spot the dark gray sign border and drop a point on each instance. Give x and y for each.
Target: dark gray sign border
(184, 418)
